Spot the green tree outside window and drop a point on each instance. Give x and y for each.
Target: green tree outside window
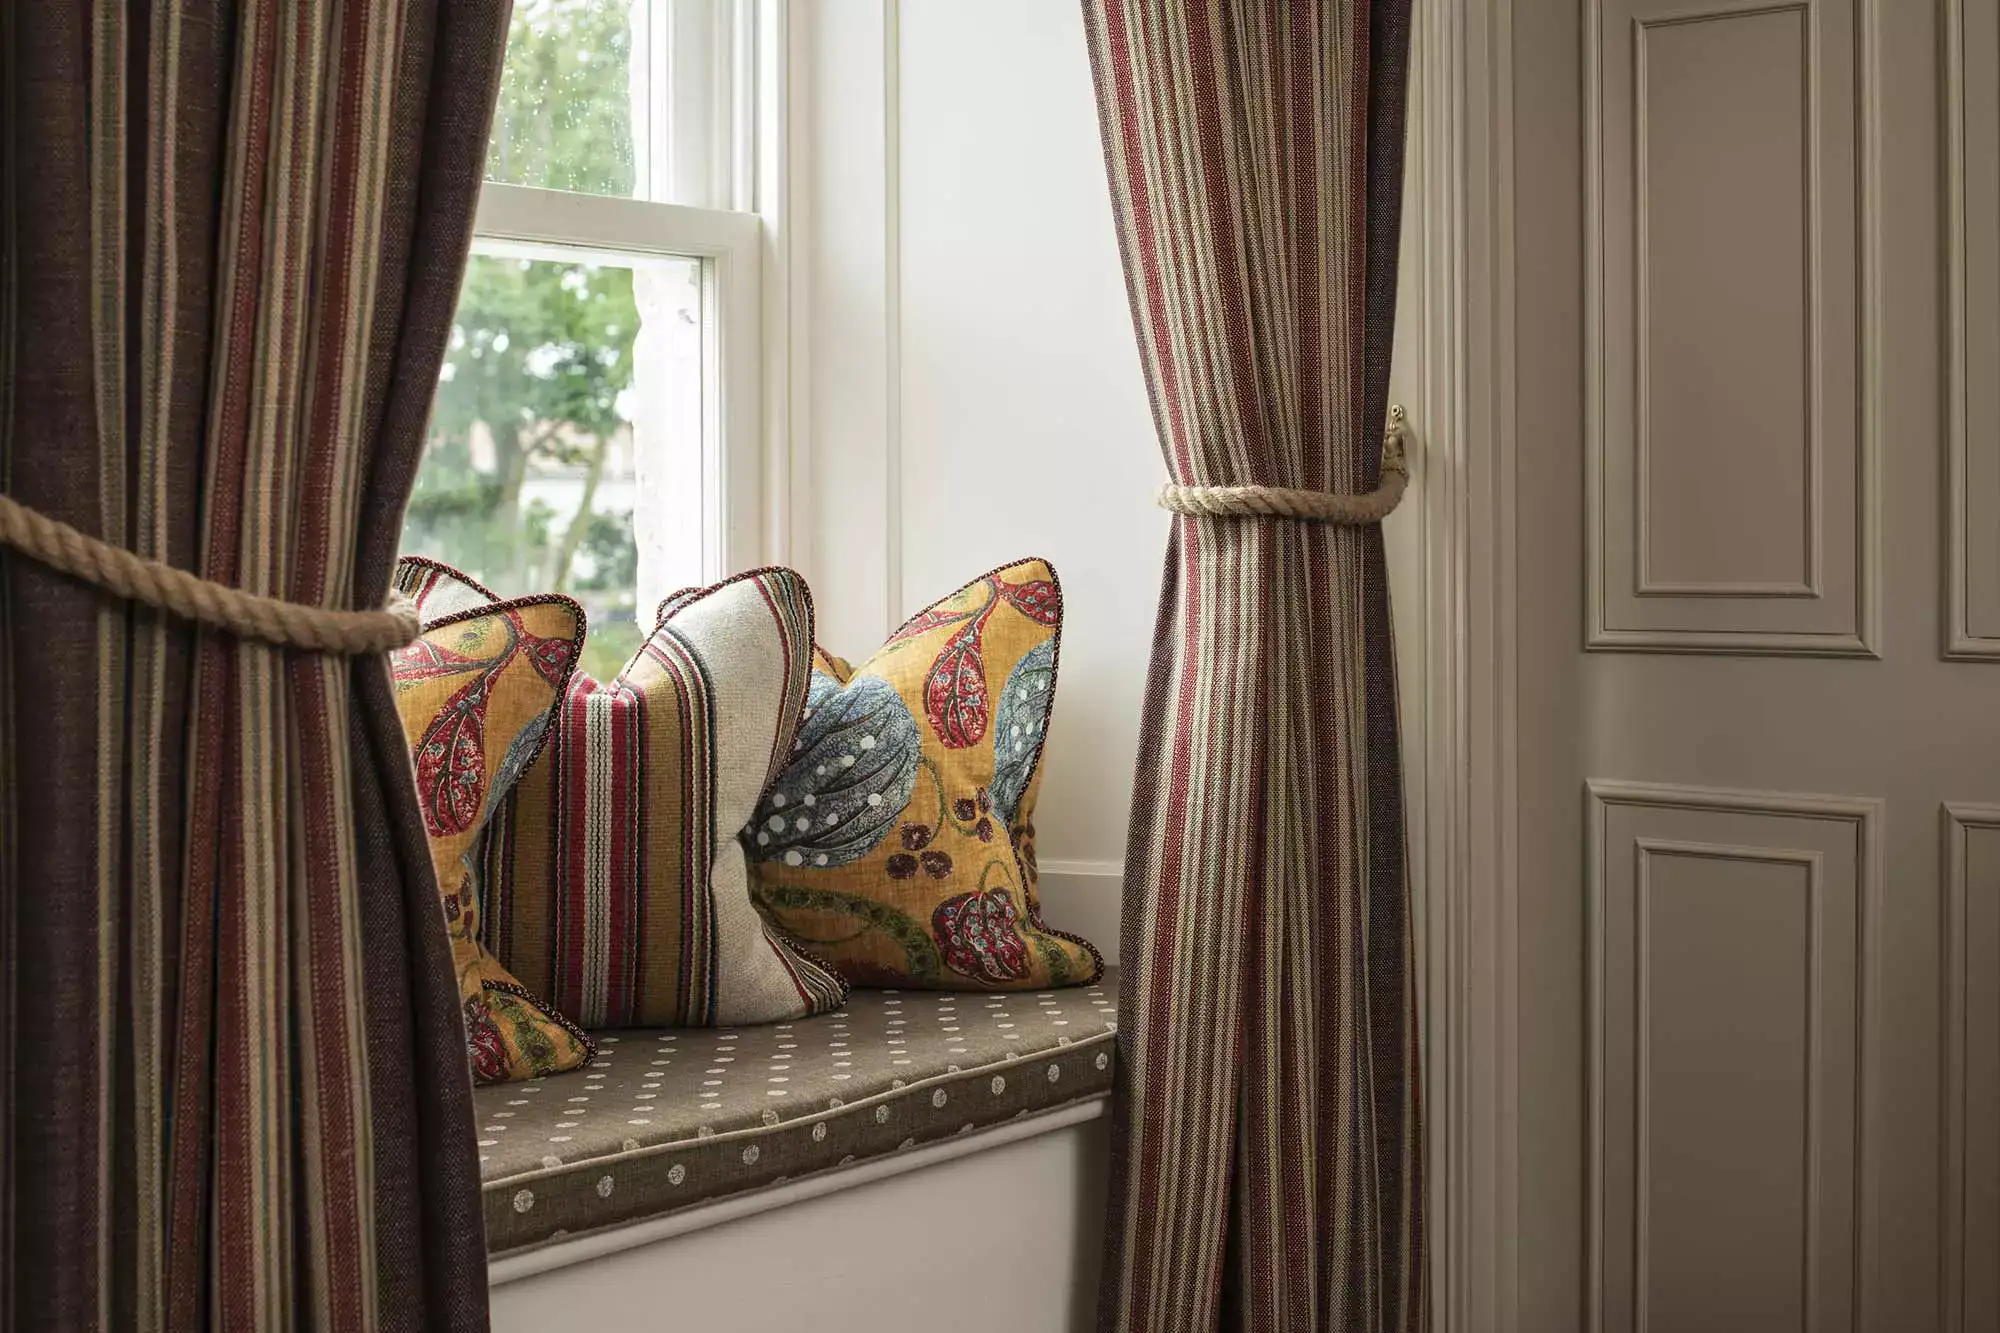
(541, 351)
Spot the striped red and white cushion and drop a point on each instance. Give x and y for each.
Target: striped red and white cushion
(612, 878)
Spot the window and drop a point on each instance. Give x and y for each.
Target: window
(596, 424)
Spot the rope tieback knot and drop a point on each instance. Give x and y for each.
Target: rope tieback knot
(246, 615)
(1290, 502)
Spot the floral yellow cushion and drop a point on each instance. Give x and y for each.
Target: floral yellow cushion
(475, 692)
(898, 842)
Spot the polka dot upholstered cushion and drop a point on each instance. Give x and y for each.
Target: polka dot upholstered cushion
(898, 842)
(668, 1119)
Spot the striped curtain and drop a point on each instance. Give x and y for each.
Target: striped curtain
(233, 1089)
(1268, 1170)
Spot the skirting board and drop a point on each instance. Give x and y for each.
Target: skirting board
(1083, 897)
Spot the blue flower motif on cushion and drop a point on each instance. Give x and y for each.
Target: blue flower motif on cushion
(850, 775)
(1018, 724)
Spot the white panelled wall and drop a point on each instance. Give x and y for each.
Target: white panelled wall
(975, 393)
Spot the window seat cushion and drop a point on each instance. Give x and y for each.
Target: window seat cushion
(667, 1119)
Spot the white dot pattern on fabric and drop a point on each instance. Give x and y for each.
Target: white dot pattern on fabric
(928, 1065)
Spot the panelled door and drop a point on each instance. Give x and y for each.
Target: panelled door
(1757, 383)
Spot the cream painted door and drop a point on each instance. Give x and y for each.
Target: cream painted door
(1758, 422)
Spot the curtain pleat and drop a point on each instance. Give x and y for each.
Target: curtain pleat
(235, 1092)
(1268, 1168)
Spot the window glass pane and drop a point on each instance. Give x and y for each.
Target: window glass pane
(565, 451)
(635, 98)
(573, 98)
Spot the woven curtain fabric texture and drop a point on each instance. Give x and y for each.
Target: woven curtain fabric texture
(1268, 1169)
(233, 1090)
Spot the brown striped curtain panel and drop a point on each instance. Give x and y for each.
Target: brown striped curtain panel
(233, 1091)
(1268, 1170)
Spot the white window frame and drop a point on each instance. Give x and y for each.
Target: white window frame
(747, 457)
(555, 224)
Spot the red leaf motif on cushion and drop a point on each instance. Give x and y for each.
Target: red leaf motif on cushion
(955, 689)
(927, 619)
(552, 657)
(1037, 599)
(482, 1042)
(980, 936)
(451, 761)
(425, 660)
(451, 755)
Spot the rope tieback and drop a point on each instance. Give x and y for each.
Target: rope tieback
(1291, 502)
(244, 614)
